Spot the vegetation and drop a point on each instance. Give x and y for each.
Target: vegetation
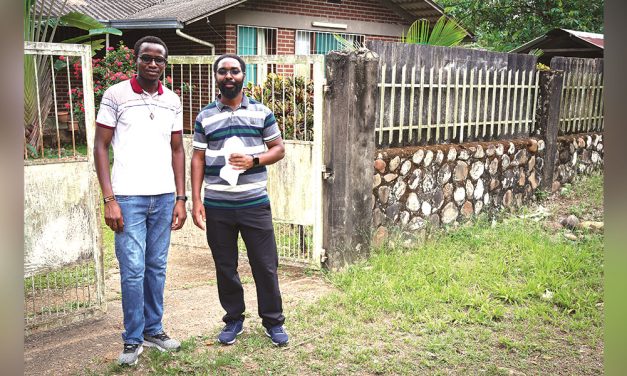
(487, 298)
(445, 32)
(291, 100)
(40, 25)
(506, 24)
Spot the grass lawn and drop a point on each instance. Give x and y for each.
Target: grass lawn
(509, 297)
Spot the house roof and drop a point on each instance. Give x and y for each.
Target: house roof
(592, 40)
(188, 11)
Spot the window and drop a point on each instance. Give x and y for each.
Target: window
(253, 40)
(318, 42)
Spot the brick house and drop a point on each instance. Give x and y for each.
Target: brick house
(257, 27)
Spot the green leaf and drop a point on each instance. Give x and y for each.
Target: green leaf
(105, 30)
(81, 21)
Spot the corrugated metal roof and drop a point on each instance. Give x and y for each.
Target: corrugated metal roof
(100, 9)
(592, 38)
(184, 10)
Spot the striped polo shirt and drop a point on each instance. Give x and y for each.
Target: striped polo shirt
(142, 125)
(254, 124)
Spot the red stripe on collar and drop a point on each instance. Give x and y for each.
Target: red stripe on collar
(138, 89)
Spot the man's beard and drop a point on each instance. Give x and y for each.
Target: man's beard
(233, 92)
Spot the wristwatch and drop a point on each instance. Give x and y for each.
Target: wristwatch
(181, 198)
(255, 161)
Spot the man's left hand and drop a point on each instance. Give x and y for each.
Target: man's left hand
(179, 215)
(241, 161)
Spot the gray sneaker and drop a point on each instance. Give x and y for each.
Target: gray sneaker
(162, 342)
(130, 354)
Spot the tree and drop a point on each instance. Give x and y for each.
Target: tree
(503, 25)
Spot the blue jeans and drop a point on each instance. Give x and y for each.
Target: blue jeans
(142, 252)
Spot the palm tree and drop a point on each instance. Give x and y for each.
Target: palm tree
(446, 32)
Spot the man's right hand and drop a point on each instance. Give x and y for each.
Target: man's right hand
(113, 216)
(198, 214)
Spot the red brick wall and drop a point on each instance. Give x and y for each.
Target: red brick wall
(356, 10)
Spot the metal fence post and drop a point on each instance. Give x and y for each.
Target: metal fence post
(549, 99)
(348, 149)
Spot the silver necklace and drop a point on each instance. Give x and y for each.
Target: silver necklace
(152, 115)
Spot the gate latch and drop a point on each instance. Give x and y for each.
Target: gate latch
(327, 173)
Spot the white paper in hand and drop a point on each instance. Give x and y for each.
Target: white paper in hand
(228, 173)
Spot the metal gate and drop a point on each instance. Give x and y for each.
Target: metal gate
(291, 86)
(63, 255)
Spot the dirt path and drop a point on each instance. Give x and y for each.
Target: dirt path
(191, 308)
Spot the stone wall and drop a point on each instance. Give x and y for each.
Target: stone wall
(577, 154)
(437, 185)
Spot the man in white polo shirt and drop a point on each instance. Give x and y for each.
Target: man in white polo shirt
(144, 199)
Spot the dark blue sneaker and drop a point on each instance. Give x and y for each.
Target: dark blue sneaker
(230, 332)
(278, 335)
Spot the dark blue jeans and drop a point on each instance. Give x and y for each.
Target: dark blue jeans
(142, 251)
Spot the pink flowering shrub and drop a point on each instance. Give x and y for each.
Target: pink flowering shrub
(117, 66)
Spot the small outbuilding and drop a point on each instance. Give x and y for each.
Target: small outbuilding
(564, 42)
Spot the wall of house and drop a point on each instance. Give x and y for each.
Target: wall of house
(438, 185)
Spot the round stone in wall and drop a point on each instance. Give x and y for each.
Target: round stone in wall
(460, 195)
(461, 171)
(505, 162)
(448, 191)
(486, 198)
(508, 179)
(428, 183)
(573, 161)
(417, 223)
(478, 207)
(392, 211)
(377, 217)
(464, 155)
(539, 163)
(494, 183)
(522, 179)
(452, 154)
(490, 150)
(389, 177)
(394, 163)
(532, 163)
(478, 190)
(428, 158)
(449, 213)
(439, 157)
(418, 156)
(379, 165)
(588, 142)
(476, 170)
(493, 168)
(511, 148)
(405, 167)
(467, 209)
(444, 175)
(412, 202)
(377, 181)
(438, 198)
(384, 194)
(434, 219)
(415, 179)
(508, 198)
(404, 218)
(533, 180)
(541, 145)
(599, 146)
(399, 189)
(594, 157)
(470, 188)
(479, 153)
(500, 149)
(533, 146)
(521, 157)
(426, 208)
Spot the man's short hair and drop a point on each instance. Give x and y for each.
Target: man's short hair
(149, 39)
(229, 56)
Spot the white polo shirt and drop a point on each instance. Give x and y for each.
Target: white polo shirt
(141, 145)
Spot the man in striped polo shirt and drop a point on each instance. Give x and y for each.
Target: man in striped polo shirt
(240, 203)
